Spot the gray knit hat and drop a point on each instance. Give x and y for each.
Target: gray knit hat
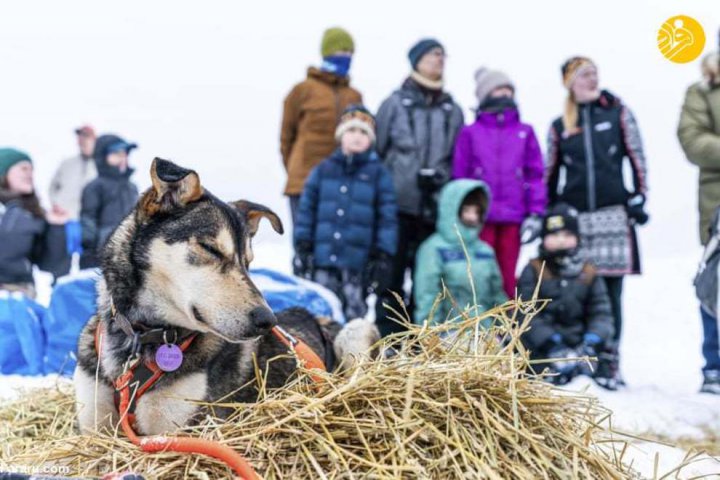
(487, 80)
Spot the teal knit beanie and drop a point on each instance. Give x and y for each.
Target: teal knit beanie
(10, 157)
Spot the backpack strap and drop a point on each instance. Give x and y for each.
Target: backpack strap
(446, 105)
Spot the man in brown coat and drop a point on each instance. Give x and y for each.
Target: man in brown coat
(699, 134)
(312, 110)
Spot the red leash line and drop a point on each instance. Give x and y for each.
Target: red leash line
(301, 349)
(201, 446)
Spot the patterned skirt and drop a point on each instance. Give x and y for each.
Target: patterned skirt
(609, 241)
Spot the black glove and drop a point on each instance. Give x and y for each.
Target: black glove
(636, 209)
(430, 180)
(378, 271)
(303, 260)
(530, 228)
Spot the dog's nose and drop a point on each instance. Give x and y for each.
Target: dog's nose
(262, 318)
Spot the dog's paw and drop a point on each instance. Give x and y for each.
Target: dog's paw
(354, 344)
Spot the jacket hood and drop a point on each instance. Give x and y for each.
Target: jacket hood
(327, 77)
(102, 145)
(451, 198)
(710, 68)
(510, 116)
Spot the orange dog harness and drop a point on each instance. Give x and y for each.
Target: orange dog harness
(142, 376)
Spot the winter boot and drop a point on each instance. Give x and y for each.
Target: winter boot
(607, 374)
(711, 382)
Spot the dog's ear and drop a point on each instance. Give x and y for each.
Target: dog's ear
(254, 212)
(172, 187)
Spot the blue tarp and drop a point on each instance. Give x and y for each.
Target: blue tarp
(283, 291)
(22, 340)
(71, 306)
(34, 340)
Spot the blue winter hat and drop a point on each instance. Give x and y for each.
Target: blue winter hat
(120, 146)
(421, 48)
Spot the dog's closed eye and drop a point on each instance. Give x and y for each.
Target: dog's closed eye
(212, 250)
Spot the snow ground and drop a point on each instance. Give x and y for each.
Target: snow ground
(661, 363)
(661, 357)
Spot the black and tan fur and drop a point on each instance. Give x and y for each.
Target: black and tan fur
(181, 260)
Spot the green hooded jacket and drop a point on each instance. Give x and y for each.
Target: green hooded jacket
(441, 260)
(699, 134)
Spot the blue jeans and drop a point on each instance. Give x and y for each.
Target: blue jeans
(711, 341)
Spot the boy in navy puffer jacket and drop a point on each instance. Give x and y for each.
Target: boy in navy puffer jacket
(346, 230)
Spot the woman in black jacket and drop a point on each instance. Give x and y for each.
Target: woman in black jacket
(588, 147)
(28, 235)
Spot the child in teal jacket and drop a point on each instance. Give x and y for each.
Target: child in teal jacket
(441, 259)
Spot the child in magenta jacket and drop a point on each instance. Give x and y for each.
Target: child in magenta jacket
(504, 153)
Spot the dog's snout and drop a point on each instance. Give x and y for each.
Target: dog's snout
(262, 318)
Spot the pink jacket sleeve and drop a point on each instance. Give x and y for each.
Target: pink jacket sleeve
(534, 169)
(462, 157)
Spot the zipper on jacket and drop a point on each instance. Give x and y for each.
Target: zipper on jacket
(338, 113)
(428, 135)
(498, 150)
(424, 200)
(590, 158)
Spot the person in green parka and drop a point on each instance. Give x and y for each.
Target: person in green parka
(441, 260)
(699, 135)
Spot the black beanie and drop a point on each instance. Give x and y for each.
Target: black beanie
(421, 48)
(561, 217)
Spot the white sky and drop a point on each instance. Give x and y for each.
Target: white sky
(202, 83)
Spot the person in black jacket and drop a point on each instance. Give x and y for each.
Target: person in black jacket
(588, 147)
(107, 199)
(578, 319)
(28, 235)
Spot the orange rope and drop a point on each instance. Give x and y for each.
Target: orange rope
(201, 446)
(301, 349)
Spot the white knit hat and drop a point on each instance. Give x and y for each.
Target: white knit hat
(487, 80)
(356, 116)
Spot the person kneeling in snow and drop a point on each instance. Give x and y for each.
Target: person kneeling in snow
(577, 321)
(346, 226)
(442, 260)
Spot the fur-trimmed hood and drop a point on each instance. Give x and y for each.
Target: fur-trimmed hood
(711, 69)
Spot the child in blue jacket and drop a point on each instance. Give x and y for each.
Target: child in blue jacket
(346, 231)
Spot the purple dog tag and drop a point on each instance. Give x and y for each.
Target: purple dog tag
(169, 357)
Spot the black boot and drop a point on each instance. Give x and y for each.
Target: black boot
(607, 374)
(711, 382)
